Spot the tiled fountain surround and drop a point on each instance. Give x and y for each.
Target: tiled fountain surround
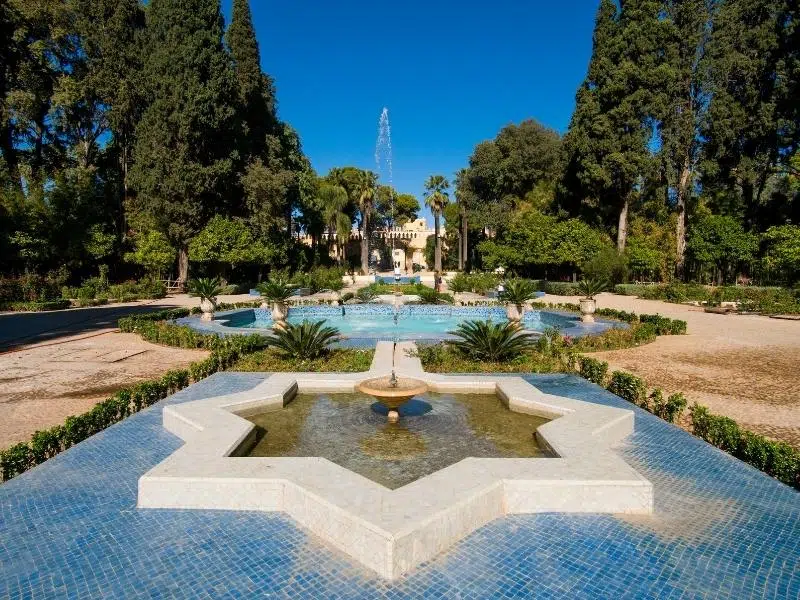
(231, 321)
(392, 531)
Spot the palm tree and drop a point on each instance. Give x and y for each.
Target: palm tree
(365, 198)
(436, 199)
(333, 200)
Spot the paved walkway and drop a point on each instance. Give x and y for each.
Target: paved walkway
(71, 529)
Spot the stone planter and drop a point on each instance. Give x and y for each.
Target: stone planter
(280, 310)
(207, 306)
(515, 312)
(588, 307)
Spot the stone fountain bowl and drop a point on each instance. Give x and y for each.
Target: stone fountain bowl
(392, 397)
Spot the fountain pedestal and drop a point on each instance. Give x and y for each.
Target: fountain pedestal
(393, 392)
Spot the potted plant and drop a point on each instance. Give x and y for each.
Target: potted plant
(275, 294)
(207, 290)
(516, 293)
(590, 288)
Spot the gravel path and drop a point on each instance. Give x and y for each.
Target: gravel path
(744, 366)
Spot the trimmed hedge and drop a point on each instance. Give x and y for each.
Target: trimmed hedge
(561, 288)
(224, 353)
(752, 298)
(40, 306)
(592, 369)
(777, 459)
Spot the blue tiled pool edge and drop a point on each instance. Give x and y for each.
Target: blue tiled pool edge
(721, 529)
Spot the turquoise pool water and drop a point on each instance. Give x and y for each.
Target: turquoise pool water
(410, 322)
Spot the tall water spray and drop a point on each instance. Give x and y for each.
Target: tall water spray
(383, 161)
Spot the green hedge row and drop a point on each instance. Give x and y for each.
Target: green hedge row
(38, 306)
(662, 325)
(777, 459)
(224, 352)
(751, 298)
(774, 458)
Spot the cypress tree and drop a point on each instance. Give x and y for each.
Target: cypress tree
(255, 88)
(682, 99)
(185, 141)
(749, 126)
(607, 144)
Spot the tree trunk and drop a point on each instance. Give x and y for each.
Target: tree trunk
(437, 248)
(680, 226)
(622, 229)
(365, 243)
(465, 238)
(183, 263)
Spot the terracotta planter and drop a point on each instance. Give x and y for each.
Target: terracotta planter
(207, 306)
(515, 312)
(588, 307)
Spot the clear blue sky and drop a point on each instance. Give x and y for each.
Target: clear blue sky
(452, 73)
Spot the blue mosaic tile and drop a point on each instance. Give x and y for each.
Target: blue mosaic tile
(721, 529)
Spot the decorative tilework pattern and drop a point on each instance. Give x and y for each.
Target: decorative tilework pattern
(721, 529)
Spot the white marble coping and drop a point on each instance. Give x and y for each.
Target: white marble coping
(392, 531)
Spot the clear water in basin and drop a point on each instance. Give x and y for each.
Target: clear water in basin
(435, 431)
(412, 322)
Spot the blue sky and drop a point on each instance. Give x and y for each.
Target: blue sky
(452, 73)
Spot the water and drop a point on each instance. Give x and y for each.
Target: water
(423, 322)
(435, 431)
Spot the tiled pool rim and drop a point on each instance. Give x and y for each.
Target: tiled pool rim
(720, 530)
(392, 531)
(220, 324)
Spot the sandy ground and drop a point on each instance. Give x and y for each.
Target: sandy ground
(744, 366)
(43, 384)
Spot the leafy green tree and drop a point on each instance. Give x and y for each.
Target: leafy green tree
(227, 242)
(436, 198)
(184, 155)
(782, 251)
(153, 252)
(721, 242)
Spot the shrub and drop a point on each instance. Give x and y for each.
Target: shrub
(664, 325)
(777, 459)
(592, 369)
(430, 296)
(561, 288)
(458, 283)
(40, 306)
(669, 409)
(305, 341)
(590, 287)
(206, 288)
(607, 264)
(629, 387)
(276, 290)
(484, 340)
(518, 291)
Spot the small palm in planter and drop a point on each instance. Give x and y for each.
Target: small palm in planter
(516, 293)
(590, 288)
(207, 290)
(276, 293)
(494, 342)
(305, 341)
